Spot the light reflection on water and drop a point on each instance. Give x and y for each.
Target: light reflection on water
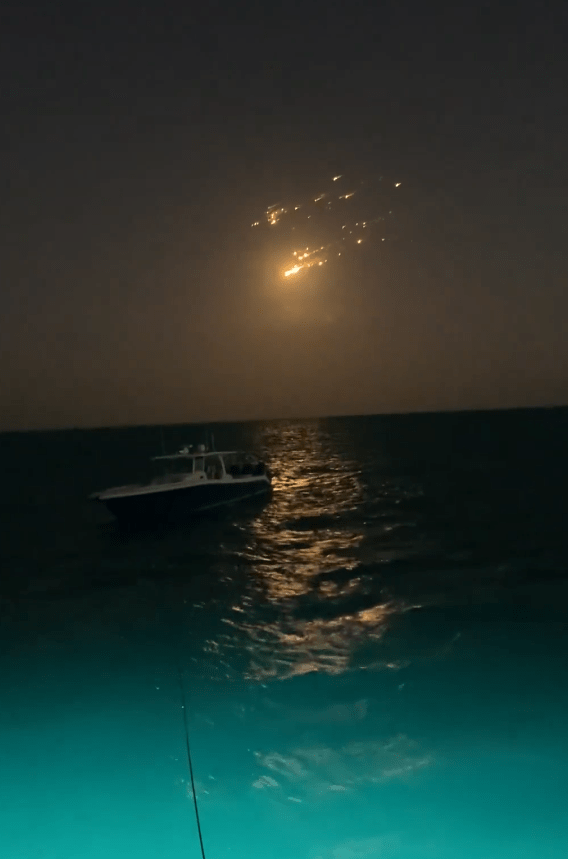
(290, 647)
(373, 659)
(339, 627)
(313, 526)
(311, 605)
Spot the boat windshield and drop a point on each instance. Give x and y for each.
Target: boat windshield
(162, 470)
(240, 464)
(211, 464)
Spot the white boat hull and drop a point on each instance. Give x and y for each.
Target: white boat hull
(162, 502)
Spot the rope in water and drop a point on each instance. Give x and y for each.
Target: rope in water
(185, 718)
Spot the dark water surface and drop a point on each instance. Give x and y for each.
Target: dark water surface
(375, 661)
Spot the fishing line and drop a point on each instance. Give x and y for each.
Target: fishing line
(185, 723)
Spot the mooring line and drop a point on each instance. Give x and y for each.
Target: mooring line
(190, 764)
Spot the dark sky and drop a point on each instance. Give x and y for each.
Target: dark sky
(141, 141)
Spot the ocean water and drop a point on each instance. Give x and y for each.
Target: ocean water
(373, 662)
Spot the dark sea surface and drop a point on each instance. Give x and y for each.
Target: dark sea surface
(375, 660)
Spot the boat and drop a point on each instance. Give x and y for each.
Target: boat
(189, 481)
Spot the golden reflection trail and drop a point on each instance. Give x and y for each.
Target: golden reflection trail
(292, 648)
(303, 556)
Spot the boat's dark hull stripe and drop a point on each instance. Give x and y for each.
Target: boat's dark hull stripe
(160, 505)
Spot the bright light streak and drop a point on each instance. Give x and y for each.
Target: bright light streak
(335, 178)
(397, 184)
(293, 270)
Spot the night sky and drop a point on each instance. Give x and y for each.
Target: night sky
(141, 142)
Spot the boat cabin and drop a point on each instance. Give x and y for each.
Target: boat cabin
(215, 465)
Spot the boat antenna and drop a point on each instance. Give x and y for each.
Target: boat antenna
(162, 440)
(188, 750)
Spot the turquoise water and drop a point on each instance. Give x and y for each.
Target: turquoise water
(374, 661)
